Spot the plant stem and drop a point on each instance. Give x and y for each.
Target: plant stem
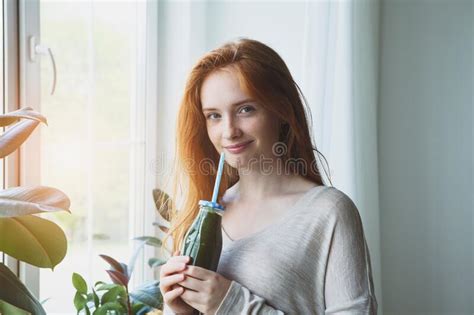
(129, 307)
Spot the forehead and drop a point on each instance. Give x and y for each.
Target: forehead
(221, 89)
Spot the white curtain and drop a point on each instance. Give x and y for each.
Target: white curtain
(331, 48)
(340, 84)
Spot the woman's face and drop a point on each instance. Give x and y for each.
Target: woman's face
(233, 118)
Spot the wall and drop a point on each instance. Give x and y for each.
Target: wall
(425, 156)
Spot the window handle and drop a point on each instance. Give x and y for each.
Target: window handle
(38, 49)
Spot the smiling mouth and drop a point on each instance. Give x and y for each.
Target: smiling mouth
(239, 148)
(239, 145)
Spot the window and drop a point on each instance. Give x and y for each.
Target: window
(101, 134)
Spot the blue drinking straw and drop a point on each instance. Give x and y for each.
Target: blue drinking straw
(218, 178)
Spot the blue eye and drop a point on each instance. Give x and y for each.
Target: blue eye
(249, 108)
(244, 110)
(211, 115)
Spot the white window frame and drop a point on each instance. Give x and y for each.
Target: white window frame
(144, 137)
(29, 95)
(10, 99)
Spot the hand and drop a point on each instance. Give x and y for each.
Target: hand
(204, 289)
(169, 279)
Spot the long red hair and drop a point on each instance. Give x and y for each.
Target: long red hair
(264, 76)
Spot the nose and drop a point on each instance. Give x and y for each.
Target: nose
(231, 129)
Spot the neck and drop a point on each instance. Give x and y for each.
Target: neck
(264, 181)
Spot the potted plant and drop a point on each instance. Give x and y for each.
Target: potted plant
(116, 296)
(23, 235)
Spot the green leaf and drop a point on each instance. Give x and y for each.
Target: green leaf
(8, 309)
(14, 137)
(34, 240)
(106, 286)
(99, 283)
(96, 299)
(149, 294)
(110, 306)
(79, 283)
(79, 301)
(18, 201)
(139, 308)
(163, 203)
(155, 262)
(112, 294)
(150, 240)
(26, 112)
(14, 292)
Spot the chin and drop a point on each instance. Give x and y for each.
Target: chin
(241, 161)
(234, 161)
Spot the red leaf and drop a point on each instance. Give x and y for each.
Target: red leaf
(117, 277)
(114, 264)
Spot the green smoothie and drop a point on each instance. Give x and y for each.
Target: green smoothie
(203, 241)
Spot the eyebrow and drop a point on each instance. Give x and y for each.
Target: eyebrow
(234, 104)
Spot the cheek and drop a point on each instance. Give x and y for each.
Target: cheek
(269, 129)
(255, 126)
(212, 134)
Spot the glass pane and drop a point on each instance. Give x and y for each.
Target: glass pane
(85, 150)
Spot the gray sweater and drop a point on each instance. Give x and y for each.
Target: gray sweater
(314, 260)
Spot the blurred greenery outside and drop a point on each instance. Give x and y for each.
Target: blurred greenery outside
(88, 137)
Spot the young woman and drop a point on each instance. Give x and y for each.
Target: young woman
(291, 244)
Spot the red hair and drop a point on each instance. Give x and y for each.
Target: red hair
(264, 76)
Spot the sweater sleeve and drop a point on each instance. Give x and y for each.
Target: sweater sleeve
(348, 280)
(239, 300)
(168, 311)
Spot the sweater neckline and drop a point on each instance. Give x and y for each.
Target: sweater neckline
(280, 221)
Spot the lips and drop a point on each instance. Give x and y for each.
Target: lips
(237, 148)
(238, 145)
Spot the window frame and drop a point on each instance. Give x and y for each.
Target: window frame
(11, 100)
(25, 166)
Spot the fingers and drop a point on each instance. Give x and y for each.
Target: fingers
(169, 273)
(192, 283)
(173, 294)
(167, 282)
(173, 265)
(199, 273)
(192, 296)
